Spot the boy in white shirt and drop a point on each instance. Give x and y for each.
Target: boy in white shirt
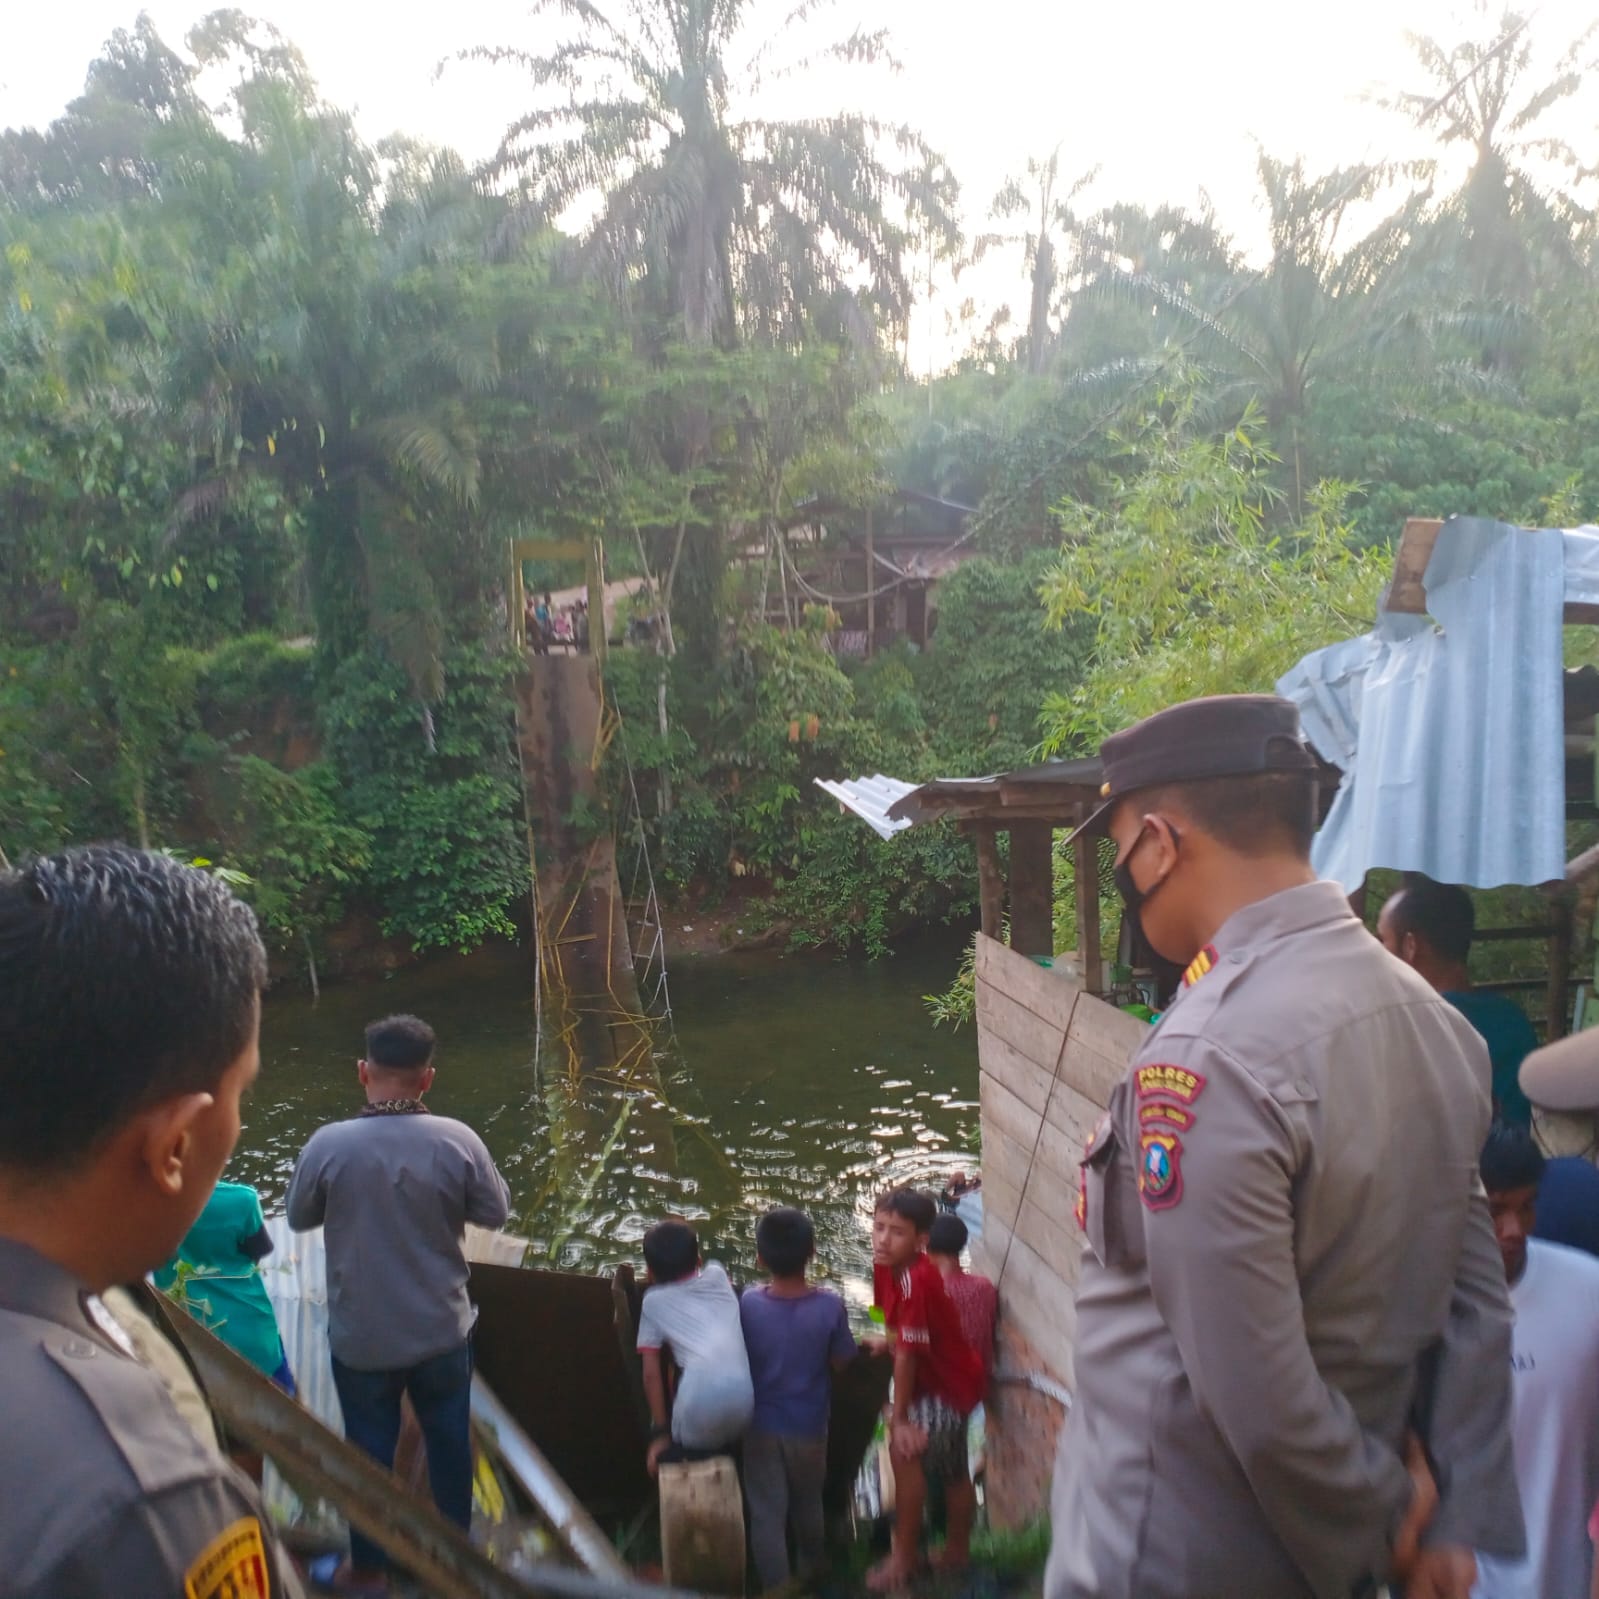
(1555, 1359)
(690, 1313)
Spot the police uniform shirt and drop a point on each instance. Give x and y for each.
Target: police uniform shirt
(103, 1489)
(1284, 1228)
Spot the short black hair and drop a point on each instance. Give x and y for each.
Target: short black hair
(671, 1251)
(125, 979)
(399, 1043)
(947, 1235)
(1441, 914)
(786, 1241)
(1510, 1159)
(916, 1207)
(1252, 815)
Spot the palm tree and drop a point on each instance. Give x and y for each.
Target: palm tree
(1504, 232)
(339, 346)
(731, 224)
(1271, 333)
(1034, 196)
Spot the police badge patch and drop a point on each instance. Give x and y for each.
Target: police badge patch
(1160, 1172)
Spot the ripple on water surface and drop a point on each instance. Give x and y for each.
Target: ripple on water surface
(796, 1081)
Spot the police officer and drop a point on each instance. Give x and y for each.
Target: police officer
(1288, 1264)
(129, 1008)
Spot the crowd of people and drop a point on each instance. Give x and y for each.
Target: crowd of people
(561, 626)
(1326, 1343)
(756, 1374)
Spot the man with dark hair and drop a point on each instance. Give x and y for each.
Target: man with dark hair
(1287, 1266)
(393, 1189)
(1430, 926)
(1555, 1361)
(129, 1010)
(691, 1312)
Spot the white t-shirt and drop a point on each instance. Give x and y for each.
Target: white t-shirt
(1555, 1423)
(697, 1319)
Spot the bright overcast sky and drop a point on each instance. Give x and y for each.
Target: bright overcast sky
(1166, 96)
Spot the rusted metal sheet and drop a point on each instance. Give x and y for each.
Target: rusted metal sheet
(577, 1531)
(860, 1391)
(550, 1346)
(408, 1530)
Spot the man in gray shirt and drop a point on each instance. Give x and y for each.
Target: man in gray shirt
(393, 1188)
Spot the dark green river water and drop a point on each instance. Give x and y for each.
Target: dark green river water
(792, 1081)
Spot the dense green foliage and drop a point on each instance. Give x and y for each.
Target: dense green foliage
(273, 400)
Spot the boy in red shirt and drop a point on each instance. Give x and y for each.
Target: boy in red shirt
(938, 1382)
(973, 1295)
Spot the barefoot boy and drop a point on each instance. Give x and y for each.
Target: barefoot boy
(796, 1335)
(937, 1382)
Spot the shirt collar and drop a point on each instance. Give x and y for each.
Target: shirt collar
(37, 1286)
(1293, 910)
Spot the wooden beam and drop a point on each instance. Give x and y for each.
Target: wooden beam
(1559, 1002)
(550, 550)
(596, 598)
(1407, 590)
(990, 879)
(1085, 857)
(516, 601)
(1032, 889)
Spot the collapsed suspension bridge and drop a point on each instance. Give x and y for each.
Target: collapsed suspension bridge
(602, 993)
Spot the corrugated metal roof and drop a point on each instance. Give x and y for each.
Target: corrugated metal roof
(1449, 727)
(888, 805)
(870, 798)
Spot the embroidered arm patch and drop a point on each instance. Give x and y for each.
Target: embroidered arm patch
(1160, 1169)
(232, 1566)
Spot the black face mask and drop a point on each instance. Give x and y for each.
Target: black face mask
(1133, 897)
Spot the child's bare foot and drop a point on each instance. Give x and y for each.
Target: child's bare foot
(888, 1576)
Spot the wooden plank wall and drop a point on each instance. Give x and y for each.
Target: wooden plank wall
(1049, 1056)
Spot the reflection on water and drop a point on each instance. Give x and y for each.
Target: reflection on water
(794, 1081)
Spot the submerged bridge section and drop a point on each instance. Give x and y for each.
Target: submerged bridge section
(592, 1013)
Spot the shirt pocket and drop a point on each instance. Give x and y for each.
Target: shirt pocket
(1107, 1202)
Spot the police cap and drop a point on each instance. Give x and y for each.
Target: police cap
(1226, 735)
(1564, 1075)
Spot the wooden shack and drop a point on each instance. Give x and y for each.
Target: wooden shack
(1051, 1046)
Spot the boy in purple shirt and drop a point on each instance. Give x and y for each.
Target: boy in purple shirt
(795, 1334)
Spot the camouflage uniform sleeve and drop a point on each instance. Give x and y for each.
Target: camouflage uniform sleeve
(203, 1539)
(1217, 1160)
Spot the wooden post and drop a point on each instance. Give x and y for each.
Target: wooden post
(990, 879)
(702, 1526)
(1085, 857)
(596, 583)
(517, 601)
(871, 583)
(1559, 1001)
(1032, 888)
